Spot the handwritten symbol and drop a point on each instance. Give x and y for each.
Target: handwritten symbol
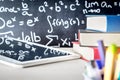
(82, 22)
(78, 21)
(25, 9)
(66, 6)
(45, 52)
(65, 42)
(24, 13)
(21, 23)
(14, 18)
(1, 40)
(21, 52)
(27, 46)
(51, 38)
(46, 4)
(21, 57)
(9, 32)
(74, 22)
(37, 57)
(33, 49)
(12, 46)
(19, 44)
(115, 4)
(61, 3)
(77, 2)
(51, 8)
(18, 9)
(36, 19)
(59, 52)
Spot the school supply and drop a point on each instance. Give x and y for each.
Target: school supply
(110, 59)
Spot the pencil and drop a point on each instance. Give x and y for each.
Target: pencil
(101, 52)
(117, 68)
(110, 62)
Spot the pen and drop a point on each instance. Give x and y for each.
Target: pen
(110, 62)
(101, 52)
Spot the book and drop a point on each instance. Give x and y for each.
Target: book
(104, 23)
(90, 38)
(19, 53)
(90, 53)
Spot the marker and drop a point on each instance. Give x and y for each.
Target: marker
(110, 62)
(101, 50)
(117, 68)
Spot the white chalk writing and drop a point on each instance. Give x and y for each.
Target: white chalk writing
(66, 41)
(50, 37)
(37, 57)
(61, 22)
(8, 52)
(91, 4)
(8, 23)
(6, 33)
(58, 6)
(35, 21)
(55, 52)
(25, 9)
(104, 4)
(31, 38)
(6, 41)
(91, 11)
(6, 9)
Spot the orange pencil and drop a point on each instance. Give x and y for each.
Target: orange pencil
(117, 68)
(110, 62)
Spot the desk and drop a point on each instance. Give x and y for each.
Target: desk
(66, 70)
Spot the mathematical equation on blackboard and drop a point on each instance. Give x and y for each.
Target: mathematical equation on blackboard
(24, 52)
(53, 23)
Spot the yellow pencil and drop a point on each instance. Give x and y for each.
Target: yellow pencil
(110, 62)
(117, 68)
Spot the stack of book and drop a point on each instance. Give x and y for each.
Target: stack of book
(99, 27)
(89, 53)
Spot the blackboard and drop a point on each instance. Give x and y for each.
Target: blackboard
(27, 51)
(50, 22)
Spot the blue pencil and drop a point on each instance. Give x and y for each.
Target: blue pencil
(101, 52)
(98, 64)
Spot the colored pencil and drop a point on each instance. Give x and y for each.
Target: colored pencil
(110, 62)
(117, 68)
(101, 50)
